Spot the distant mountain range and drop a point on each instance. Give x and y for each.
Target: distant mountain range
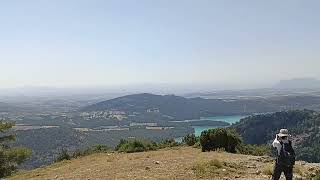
(299, 83)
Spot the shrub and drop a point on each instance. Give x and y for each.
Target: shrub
(63, 155)
(100, 148)
(138, 145)
(10, 158)
(214, 139)
(255, 150)
(130, 146)
(121, 143)
(190, 139)
(167, 143)
(95, 149)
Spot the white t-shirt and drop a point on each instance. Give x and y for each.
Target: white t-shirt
(276, 144)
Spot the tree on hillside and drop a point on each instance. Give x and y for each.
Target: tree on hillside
(213, 139)
(10, 157)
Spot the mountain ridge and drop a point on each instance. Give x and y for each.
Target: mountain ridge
(181, 108)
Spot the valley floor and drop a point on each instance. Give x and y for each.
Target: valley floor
(173, 163)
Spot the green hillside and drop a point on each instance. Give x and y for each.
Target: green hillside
(302, 124)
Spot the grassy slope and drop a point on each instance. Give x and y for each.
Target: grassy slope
(174, 163)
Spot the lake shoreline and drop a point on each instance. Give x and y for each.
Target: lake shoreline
(198, 129)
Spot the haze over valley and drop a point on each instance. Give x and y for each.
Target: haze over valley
(81, 77)
(83, 120)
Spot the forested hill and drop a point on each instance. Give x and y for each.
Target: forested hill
(302, 124)
(180, 107)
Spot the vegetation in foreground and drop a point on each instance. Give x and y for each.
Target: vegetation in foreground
(65, 155)
(220, 165)
(124, 146)
(170, 163)
(210, 140)
(220, 138)
(10, 157)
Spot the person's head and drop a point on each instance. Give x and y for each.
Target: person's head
(284, 137)
(283, 134)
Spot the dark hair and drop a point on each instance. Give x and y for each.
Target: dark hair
(284, 137)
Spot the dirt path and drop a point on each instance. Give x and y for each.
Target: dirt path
(176, 163)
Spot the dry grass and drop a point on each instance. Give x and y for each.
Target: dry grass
(177, 163)
(207, 168)
(268, 170)
(298, 170)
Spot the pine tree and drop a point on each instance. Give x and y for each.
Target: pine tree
(10, 157)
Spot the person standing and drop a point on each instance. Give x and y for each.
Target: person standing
(285, 155)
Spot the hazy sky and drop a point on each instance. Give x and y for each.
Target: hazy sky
(67, 43)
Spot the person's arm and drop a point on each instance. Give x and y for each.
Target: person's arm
(276, 144)
(291, 148)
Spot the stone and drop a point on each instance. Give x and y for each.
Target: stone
(258, 172)
(157, 162)
(313, 174)
(147, 168)
(251, 166)
(311, 169)
(297, 177)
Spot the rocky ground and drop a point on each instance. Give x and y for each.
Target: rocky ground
(173, 163)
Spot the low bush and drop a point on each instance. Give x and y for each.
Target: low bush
(140, 145)
(255, 150)
(63, 155)
(190, 139)
(168, 143)
(130, 146)
(94, 149)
